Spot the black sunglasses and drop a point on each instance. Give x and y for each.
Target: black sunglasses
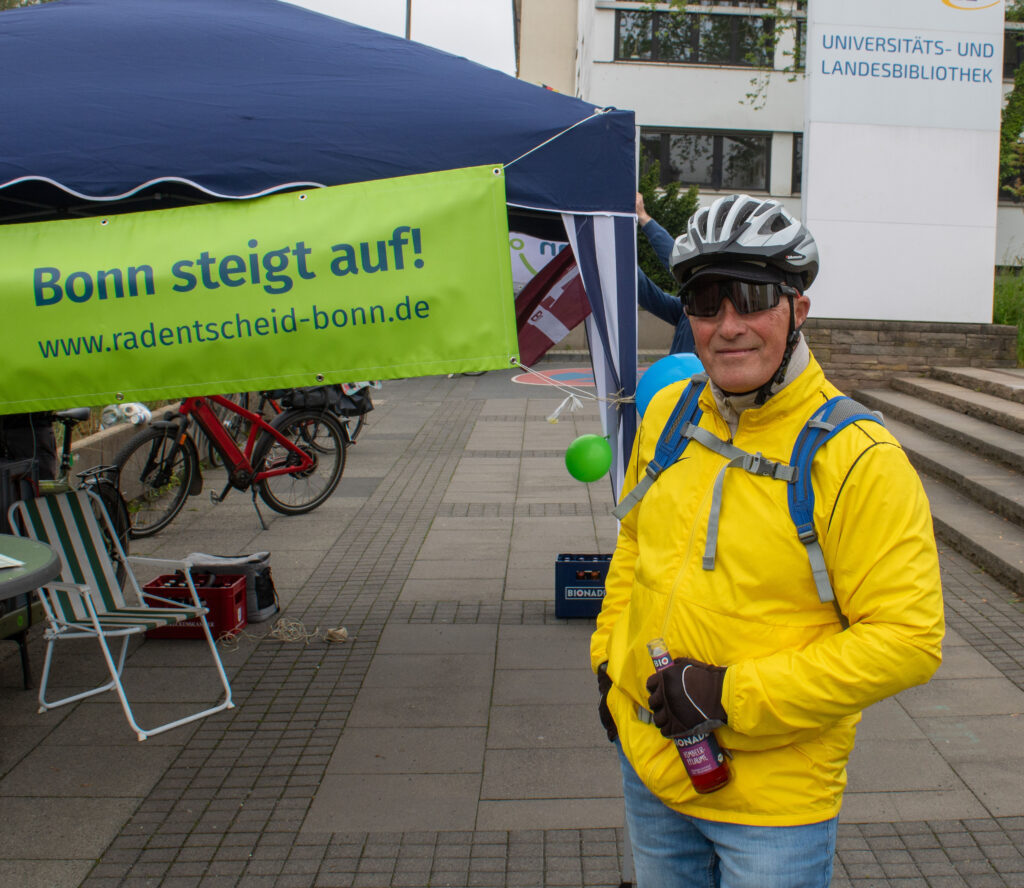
(704, 299)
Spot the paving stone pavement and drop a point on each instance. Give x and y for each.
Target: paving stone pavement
(451, 741)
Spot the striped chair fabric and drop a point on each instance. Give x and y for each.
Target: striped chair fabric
(89, 602)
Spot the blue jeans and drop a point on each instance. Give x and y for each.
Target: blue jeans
(673, 850)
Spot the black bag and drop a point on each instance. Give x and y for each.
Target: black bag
(309, 396)
(355, 404)
(329, 396)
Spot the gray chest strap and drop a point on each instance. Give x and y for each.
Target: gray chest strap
(683, 427)
(753, 463)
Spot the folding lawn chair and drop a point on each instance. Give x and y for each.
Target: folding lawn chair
(88, 602)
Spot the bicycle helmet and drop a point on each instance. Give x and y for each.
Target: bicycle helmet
(741, 229)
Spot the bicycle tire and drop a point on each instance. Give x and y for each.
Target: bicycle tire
(117, 512)
(234, 424)
(318, 434)
(353, 426)
(154, 490)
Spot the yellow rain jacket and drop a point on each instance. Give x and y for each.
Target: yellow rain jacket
(796, 682)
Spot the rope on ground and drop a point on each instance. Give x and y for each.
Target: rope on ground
(286, 630)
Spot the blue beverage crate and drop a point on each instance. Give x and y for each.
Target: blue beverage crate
(579, 585)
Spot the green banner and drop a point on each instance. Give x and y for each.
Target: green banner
(374, 280)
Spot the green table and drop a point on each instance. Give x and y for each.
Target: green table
(40, 565)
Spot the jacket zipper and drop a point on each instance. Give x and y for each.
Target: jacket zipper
(701, 509)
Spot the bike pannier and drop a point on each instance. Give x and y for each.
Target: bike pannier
(261, 596)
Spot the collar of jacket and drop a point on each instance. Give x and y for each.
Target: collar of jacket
(731, 406)
(794, 402)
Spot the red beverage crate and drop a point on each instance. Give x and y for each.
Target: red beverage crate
(223, 594)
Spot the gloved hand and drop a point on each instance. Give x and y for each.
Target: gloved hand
(604, 685)
(686, 698)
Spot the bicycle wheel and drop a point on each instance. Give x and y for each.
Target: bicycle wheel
(315, 433)
(117, 511)
(353, 426)
(234, 424)
(353, 423)
(154, 477)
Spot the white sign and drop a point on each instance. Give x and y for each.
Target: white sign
(529, 255)
(901, 156)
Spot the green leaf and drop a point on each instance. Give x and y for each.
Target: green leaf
(671, 207)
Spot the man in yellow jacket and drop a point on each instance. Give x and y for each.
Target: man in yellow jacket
(709, 561)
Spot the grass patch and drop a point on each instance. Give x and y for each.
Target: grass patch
(1008, 306)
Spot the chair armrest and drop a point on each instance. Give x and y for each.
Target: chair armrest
(175, 563)
(82, 589)
(169, 564)
(172, 603)
(54, 612)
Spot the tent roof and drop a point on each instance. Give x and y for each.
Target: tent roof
(243, 97)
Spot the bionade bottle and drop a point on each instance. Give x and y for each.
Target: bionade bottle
(702, 757)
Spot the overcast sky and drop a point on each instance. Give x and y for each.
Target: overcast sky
(480, 30)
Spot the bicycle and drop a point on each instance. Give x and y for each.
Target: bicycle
(294, 462)
(349, 404)
(99, 479)
(234, 424)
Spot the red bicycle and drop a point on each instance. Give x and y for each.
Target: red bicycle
(349, 404)
(294, 462)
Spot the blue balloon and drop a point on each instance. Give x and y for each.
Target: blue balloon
(669, 369)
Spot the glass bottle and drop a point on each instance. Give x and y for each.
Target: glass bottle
(702, 757)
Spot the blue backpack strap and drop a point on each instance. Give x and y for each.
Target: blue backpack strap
(828, 420)
(670, 445)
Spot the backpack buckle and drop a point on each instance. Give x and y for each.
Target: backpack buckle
(806, 533)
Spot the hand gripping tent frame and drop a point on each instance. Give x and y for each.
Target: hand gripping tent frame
(124, 106)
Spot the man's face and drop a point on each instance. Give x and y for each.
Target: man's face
(741, 352)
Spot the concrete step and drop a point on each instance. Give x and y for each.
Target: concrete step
(992, 484)
(966, 432)
(1005, 383)
(993, 543)
(989, 408)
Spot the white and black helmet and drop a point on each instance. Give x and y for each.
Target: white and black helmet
(740, 228)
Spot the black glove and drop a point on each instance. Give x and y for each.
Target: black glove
(604, 685)
(686, 698)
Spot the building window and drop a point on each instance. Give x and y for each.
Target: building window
(798, 162)
(1013, 52)
(720, 160)
(695, 38)
(800, 49)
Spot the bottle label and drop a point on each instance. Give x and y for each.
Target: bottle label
(701, 753)
(661, 661)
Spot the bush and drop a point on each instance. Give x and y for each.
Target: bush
(1008, 306)
(670, 209)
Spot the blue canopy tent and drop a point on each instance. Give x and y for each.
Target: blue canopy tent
(116, 105)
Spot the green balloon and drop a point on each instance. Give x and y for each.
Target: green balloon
(588, 458)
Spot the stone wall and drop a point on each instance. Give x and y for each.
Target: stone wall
(868, 352)
(100, 448)
(865, 352)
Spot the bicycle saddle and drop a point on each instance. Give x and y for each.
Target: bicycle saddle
(78, 414)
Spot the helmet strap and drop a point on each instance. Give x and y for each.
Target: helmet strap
(777, 378)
